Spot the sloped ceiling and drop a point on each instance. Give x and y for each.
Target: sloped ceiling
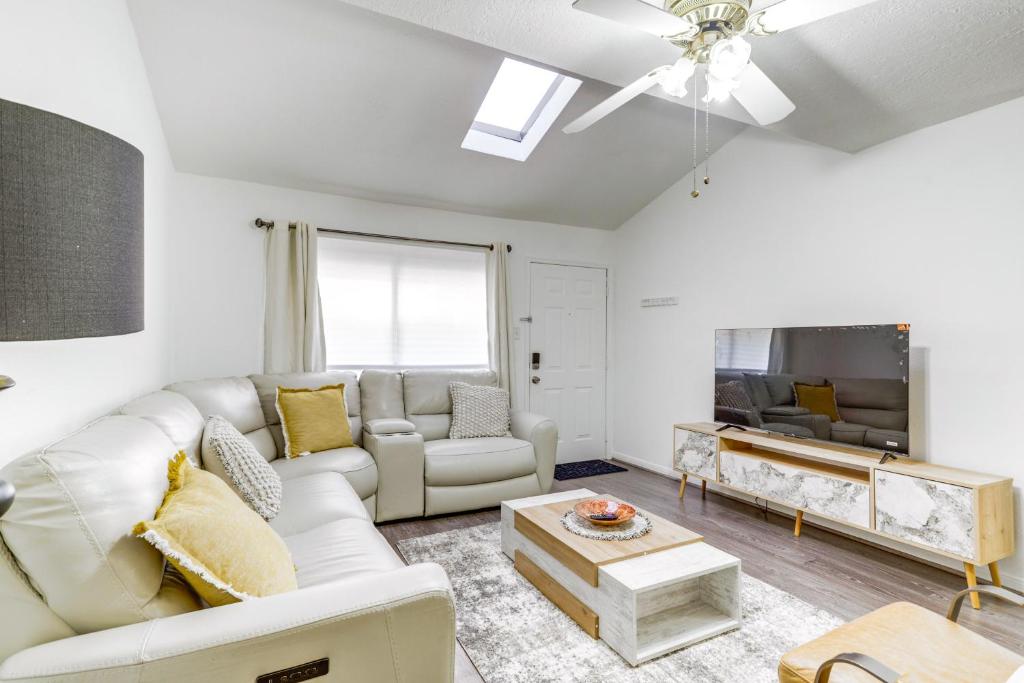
(371, 98)
(321, 95)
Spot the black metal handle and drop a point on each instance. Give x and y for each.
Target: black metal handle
(6, 496)
(860, 660)
(958, 600)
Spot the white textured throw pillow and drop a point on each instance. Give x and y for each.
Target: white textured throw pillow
(231, 456)
(478, 411)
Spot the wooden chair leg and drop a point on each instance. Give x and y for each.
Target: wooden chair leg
(972, 581)
(682, 486)
(799, 523)
(993, 569)
(703, 488)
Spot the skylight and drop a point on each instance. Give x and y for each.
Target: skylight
(519, 108)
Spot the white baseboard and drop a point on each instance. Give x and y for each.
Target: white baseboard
(1009, 580)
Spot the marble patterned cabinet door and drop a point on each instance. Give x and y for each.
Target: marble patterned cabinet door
(931, 513)
(695, 453)
(831, 496)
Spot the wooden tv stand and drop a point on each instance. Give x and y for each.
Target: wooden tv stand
(965, 515)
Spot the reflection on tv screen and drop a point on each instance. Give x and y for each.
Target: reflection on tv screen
(847, 385)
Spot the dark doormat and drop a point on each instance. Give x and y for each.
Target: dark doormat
(585, 468)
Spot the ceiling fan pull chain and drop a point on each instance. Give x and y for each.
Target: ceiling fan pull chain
(695, 192)
(707, 129)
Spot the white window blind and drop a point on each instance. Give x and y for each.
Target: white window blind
(392, 304)
(743, 349)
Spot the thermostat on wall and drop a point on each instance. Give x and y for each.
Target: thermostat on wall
(659, 301)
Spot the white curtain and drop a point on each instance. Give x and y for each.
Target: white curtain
(499, 318)
(293, 334)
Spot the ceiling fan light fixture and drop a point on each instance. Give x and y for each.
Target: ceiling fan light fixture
(719, 89)
(674, 80)
(729, 58)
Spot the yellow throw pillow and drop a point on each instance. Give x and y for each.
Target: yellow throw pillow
(820, 400)
(313, 419)
(224, 550)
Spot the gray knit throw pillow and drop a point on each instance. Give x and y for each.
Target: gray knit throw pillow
(478, 411)
(227, 453)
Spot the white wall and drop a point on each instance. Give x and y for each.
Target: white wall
(220, 259)
(81, 60)
(926, 229)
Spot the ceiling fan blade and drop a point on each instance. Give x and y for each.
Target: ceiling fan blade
(792, 13)
(638, 14)
(634, 89)
(762, 98)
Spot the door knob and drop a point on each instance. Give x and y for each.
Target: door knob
(535, 379)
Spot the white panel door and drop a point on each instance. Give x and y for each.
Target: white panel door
(568, 306)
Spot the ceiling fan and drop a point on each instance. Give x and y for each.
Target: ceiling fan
(710, 33)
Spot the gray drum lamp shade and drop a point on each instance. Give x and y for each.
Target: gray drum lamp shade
(71, 229)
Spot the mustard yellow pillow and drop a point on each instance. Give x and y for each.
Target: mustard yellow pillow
(821, 400)
(313, 419)
(224, 550)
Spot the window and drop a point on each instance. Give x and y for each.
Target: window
(743, 349)
(389, 304)
(519, 108)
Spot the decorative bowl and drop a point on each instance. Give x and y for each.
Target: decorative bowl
(605, 512)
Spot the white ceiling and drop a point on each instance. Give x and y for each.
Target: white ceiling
(324, 96)
(371, 98)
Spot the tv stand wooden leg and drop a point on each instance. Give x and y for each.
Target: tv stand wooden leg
(682, 486)
(972, 581)
(799, 523)
(703, 488)
(993, 569)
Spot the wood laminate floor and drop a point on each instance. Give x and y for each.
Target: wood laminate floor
(842, 575)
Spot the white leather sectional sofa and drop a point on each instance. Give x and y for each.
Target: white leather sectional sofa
(82, 599)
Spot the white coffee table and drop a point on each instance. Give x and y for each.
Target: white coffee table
(644, 597)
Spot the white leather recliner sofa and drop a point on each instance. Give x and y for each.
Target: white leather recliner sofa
(82, 599)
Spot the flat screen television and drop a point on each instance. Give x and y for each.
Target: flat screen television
(847, 385)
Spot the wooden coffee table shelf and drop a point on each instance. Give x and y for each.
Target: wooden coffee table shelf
(644, 597)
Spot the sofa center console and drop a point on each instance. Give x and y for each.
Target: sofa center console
(957, 513)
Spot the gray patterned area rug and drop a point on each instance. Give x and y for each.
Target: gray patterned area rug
(514, 634)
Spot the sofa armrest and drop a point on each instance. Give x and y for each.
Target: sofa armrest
(389, 425)
(398, 626)
(399, 459)
(543, 434)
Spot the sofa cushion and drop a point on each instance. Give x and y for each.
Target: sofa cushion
(459, 462)
(354, 463)
(224, 549)
(880, 419)
(478, 411)
(175, 416)
(71, 524)
(758, 390)
(340, 550)
(314, 500)
(235, 399)
(880, 394)
(780, 387)
(313, 420)
(233, 458)
(788, 411)
(886, 440)
(848, 432)
(382, 395)
(428, 403)
(820, 400)
(266, 389)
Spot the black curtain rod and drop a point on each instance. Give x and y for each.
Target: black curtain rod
(260, 223)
